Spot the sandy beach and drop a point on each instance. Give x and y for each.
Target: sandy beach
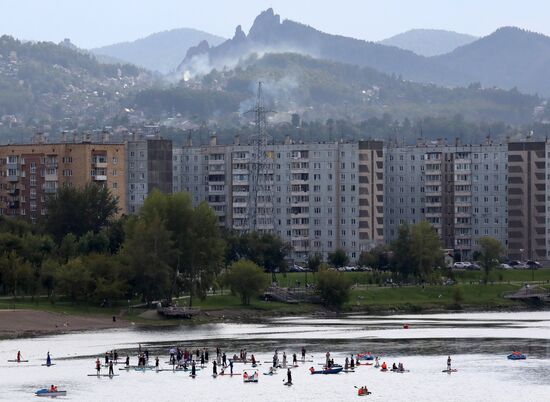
(19, 323)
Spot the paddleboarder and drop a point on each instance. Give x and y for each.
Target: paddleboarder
(48, 360)
(97, 366)
(294, 359)
(18, 356)
(193, 369)
(157, 363)
(303, 353)
(106, 358)
(214, 368)
(127, 360)
(231, 367)
(111, 370)
(449, 363)
(288, 376)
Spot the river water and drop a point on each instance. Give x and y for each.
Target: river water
(478, 344)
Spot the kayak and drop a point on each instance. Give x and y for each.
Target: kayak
(449, 371)
(18, 361)
(250, 378)
(47, 392)
(517, 356)
(334, 370)
(361, 392)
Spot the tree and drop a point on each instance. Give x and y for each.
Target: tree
(314, 262)
(425, 249)
(79, 210)
(74, 279)
(401, 247)
(266, 249)
(333, 287)
(338, 258)
(490, 251)
(197, 248)
(148, 251)
(246, 279)
(375, 258)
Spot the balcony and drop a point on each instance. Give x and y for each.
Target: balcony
(100, 177)
(50, 177)
(101, 165)
(13, 178)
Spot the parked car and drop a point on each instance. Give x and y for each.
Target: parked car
(475, 266)
(505, 266)
(533, 264)
(459, 265)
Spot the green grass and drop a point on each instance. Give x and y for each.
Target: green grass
(230, 302)
(431, 296)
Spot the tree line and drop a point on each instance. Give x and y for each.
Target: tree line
(84, 251)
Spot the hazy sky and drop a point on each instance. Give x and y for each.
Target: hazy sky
(91, 23)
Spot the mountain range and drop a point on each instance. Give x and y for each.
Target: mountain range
(160, 51)
(510, 57)
(429, 42)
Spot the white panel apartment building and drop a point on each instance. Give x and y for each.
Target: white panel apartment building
(315, 192)
(460, 190)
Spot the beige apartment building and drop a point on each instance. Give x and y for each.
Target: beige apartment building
(29, 173)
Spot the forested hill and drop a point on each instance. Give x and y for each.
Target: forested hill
(508, 58)
(429, 42)
(42, 82)
(319, 89)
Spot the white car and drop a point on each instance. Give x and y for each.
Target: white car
(459, 265)
(505, 266)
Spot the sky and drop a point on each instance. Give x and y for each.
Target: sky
(93, 23)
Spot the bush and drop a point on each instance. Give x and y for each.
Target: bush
(333, 288)
(246, 279)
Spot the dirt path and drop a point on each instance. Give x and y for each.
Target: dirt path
(18, 323)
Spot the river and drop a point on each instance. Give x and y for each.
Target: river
(477, 342)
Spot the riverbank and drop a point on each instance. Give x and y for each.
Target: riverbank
(30, 318)
(29, 323)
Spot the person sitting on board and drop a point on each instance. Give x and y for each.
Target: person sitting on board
(394, 366)
(400, 367)
(245, 375)
(53, 388)
(384, 366)
(363, 390)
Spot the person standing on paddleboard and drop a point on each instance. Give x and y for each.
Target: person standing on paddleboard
(97, 366)
(193, 369)
(288, 376)
(111, 370)
(449, 363)
(214, 369)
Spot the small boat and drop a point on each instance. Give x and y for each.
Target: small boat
(362, 392)
(365, 356)
(18, 361)
(517, 356)
(449, 371)
(333, 370)
(47, 392)
(250, 377)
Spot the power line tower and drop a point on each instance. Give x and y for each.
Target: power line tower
(260, 192)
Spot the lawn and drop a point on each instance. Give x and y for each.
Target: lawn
(431, 296)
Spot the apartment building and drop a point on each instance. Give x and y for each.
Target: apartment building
(31, 172)
(528, 200)
(310, 196)
(461, 190)
(150, 165)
